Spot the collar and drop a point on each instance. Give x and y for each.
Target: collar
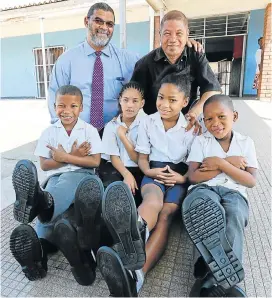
(236, 135)
(88, 50)
(136, 121)
(79, 125)
(181, 123)
(159, 54)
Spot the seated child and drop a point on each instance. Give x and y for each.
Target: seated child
(222, 164)
(163, 145)
(72, 180)
(119, 141)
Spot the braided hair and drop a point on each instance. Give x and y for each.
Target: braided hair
(130, 85)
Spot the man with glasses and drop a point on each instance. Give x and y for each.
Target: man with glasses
(95, 66)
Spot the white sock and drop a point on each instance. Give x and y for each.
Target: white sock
(140, 278)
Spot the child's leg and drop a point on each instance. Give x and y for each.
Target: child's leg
(236, 211)
(152, 204)
(205, 221)
(157, 242)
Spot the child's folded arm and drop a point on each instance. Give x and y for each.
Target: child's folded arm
(48, 164)
(245, 177)
(133, 155)
(197, 176)
(90, 161)
(143, 163)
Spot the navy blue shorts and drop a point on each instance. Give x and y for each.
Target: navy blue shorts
(173, 194)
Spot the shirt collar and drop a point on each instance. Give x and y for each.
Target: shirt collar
(161, 55)
(136, 121)
(181, 121)
(88, 50)
(236, 136)
(79, 124)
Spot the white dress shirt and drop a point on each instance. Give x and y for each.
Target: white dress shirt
(56, 134)
(172, 145)
(112, 145)
(207, 146)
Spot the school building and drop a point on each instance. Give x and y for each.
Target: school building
(229, 31)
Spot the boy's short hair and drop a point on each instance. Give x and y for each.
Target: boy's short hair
(224, 99)
(70, 90)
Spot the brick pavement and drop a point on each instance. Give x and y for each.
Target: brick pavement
(173, 274)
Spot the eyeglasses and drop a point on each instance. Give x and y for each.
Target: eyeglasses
(101, 22)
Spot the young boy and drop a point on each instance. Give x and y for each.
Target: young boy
(71, 170)
(222, 164)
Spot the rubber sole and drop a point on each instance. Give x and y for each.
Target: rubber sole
(120, 216)
(114, 273)
(205, 223)
(24, 180)
(65, 238)
(88, 199)
(26, 249)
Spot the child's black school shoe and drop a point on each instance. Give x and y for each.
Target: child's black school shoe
(31, 200)
(83, 265)
(206, 288)
(88, 200)
(206, 225)
(120, 216)
(27, 250)
(119, 280)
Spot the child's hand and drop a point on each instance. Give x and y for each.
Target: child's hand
(153, 173)
(131, 182)
(171, 178)
(237, 161)
(121, 131)
(210, 164)
(58, 154)
(81, 151)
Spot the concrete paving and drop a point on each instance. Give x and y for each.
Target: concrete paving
(172, 276)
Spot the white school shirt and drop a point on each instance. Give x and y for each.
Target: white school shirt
(207, 146)
(258, 58)
(112, 144)
(172, 145)
(56, 134)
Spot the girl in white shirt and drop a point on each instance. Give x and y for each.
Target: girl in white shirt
(258, 58)
(119, 140)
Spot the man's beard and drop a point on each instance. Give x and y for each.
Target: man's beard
(99, 41)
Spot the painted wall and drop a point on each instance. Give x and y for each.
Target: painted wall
(255, 31)
(17, 59)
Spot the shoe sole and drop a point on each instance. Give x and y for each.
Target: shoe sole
(24, 180)
(26, 249)
(113, 271)
(205, 223)
(88, 198)
(65, 238)
(120, 216)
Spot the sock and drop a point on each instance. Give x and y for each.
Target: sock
(140, 279)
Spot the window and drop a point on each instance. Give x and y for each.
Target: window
(51, 56)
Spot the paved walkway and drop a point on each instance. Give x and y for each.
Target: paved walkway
(173, 274)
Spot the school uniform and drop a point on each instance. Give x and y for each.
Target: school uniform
(222, 189)
(62, 183)
(169, 147)
(112, 145)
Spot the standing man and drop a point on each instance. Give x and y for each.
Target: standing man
(173, 52)
(97, 68)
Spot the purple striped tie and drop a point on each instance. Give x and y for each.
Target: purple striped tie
(96, 115)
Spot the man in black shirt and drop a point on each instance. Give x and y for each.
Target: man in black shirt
(174, 51)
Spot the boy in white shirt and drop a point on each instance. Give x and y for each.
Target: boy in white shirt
(72, 180)
(163, 145)
(222, 164)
